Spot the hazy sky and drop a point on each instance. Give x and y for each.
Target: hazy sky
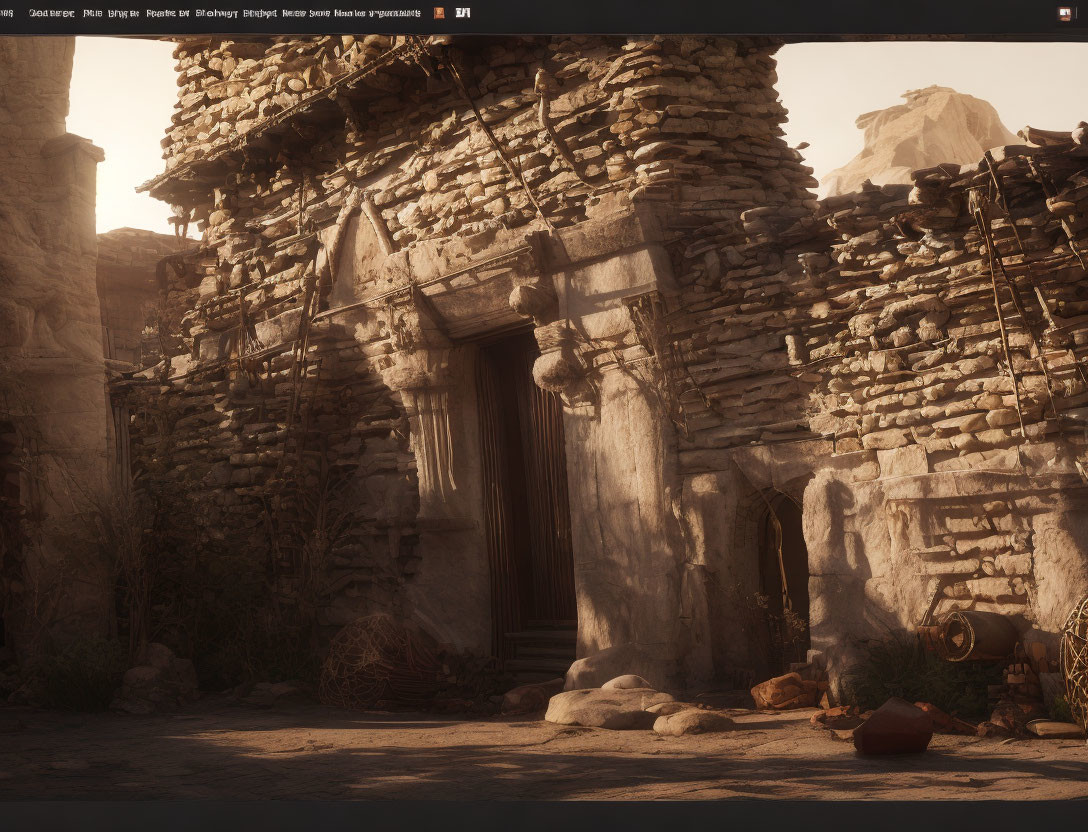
(123, 92)
(826, 86)
(122, 95)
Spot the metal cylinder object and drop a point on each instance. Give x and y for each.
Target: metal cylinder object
(970, 635)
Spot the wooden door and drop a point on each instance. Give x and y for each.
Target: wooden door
(526, 506)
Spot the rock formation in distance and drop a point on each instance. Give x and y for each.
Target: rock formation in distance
(934, 126)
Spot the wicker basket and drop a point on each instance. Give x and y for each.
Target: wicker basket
(1074, 660)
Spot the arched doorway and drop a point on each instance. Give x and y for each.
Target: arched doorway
(783, 581)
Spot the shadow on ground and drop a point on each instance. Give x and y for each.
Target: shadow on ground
(322, 754)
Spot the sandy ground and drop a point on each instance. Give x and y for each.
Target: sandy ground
(225, 751)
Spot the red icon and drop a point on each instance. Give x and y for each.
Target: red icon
(439, 12)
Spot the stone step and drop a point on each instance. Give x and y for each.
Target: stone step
(539, 636)
(555, 667)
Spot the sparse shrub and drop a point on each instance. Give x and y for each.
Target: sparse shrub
(1060, 711)
(784, 634)
(77, 675)
(898, 665)
(261, 647)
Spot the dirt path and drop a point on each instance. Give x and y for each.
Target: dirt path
(223, 751)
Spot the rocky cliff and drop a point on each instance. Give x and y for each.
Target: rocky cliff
(934, 126)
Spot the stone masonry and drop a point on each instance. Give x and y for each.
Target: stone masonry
(372, 207)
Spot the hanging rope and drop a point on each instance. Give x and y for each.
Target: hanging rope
(511, 169)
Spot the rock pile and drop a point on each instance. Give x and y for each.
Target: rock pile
(160, 682)
(628, 702)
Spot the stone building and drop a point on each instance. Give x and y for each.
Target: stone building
(127, 277)
(52, 379)
(562, 324)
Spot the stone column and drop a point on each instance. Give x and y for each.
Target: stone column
(450, 594)
(52, 376)
(635, 580)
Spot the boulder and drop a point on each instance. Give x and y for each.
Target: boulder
(783, 692)
(527, 699)
(627, 682)
(595, 708)
(623, 659)
(896, 727)
(1048, 729)
(692, 721)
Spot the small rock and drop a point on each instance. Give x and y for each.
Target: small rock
(783, 692)
(595, 708)
(842, 717)
(666, 708)
(627, 682)
(692, 721)
(527, 699)
(896, 727)
(1050, 730)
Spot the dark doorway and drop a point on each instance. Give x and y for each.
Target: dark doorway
(783, 581)
(526, 511)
